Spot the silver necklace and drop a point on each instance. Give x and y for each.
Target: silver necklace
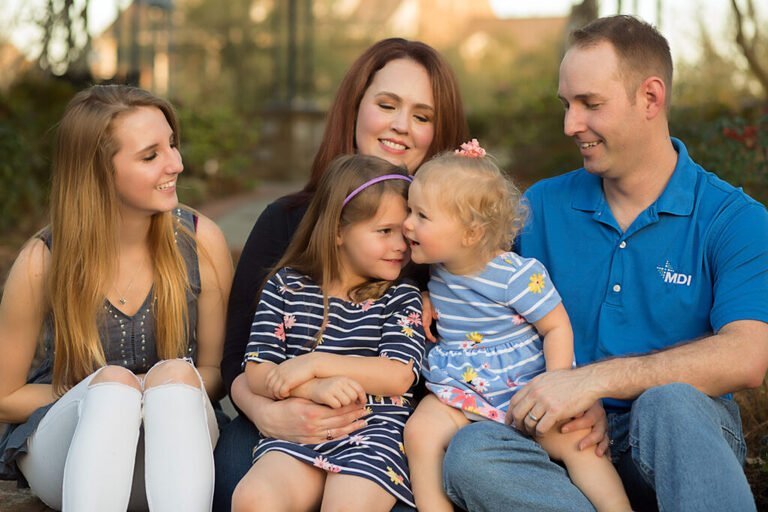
(121, 296)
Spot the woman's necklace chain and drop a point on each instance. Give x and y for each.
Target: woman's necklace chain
(121, 297)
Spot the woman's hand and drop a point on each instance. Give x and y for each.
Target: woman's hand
(335, 392)
(289, 374)
(296, 419)
(427, 314)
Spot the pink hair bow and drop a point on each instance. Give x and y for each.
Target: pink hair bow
(471, 149)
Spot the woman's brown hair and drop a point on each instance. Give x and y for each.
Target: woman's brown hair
(339, 135)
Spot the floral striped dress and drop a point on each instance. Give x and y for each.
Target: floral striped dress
(287, 319)
(488, 347)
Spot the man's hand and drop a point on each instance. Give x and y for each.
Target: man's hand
(290, 373)
(551, 398)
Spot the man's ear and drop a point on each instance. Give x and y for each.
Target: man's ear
(654, 93)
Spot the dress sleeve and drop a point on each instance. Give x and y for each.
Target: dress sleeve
(530, 292)
(402, 336)
(267, 338)
(265, 245)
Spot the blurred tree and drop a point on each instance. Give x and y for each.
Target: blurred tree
(65, 41)
(753, 46)
(227, 45)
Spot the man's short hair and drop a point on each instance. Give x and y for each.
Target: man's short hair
(641, 49)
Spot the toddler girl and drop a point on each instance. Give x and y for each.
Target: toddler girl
(332, 327)
(500, 322)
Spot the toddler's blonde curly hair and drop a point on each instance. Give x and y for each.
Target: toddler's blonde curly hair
(479, 195)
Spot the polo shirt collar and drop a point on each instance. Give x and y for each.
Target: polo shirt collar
(677, 198)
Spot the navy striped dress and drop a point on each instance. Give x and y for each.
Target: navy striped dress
(287, 319)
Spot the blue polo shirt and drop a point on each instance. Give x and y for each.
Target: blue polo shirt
(692, 262)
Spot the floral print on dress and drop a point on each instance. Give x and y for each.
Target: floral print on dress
(289, 321)
(406, 323)
(280, 331)
(323, 463)
(480, 384)
(414, 318)
(474, 337)
(536, 283)
(396, 479)
(469, 375)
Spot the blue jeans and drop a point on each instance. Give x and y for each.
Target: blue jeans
(233, 460)
(676, 450)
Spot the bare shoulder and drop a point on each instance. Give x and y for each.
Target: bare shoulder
(31, 264)
(25, 287)
(208, 233)
(213, 249)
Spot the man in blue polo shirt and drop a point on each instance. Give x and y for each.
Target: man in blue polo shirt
(663, 269)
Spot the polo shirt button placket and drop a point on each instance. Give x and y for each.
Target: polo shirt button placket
(623, 244)
(617, 288)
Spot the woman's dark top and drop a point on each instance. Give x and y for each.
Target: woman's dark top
(265, 246)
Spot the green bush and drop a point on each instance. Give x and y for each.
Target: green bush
(216, 145)
(28, 111)
(733, 146)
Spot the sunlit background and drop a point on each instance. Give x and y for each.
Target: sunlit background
(252, 80)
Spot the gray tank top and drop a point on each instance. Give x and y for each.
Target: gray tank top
(129, 341)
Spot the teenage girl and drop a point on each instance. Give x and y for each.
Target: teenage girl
(333, 327)
(126, 290)
(500, 322)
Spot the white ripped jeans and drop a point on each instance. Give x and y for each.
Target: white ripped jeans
(89, 452)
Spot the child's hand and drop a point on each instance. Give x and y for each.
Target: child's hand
(337, 392)
(290, 373)
(427, 315)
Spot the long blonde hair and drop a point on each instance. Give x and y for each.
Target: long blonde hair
(84, 226)
(313, 251)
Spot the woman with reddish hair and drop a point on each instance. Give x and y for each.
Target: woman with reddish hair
(399, 101)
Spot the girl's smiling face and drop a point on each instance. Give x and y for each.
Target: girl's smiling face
(147, 162)
(374, 248)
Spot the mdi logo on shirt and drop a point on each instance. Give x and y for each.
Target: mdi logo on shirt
(669, 275)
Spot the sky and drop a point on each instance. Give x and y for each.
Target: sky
(678, 17)
(678, 22)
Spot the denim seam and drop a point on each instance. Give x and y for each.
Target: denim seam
(646, 471)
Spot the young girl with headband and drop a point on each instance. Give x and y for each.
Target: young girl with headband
(500, 322)
(333, 327)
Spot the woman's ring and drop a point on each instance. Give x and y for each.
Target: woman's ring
(328, 435)
(532, 417)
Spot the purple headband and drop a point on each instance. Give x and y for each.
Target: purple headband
(373, 182)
